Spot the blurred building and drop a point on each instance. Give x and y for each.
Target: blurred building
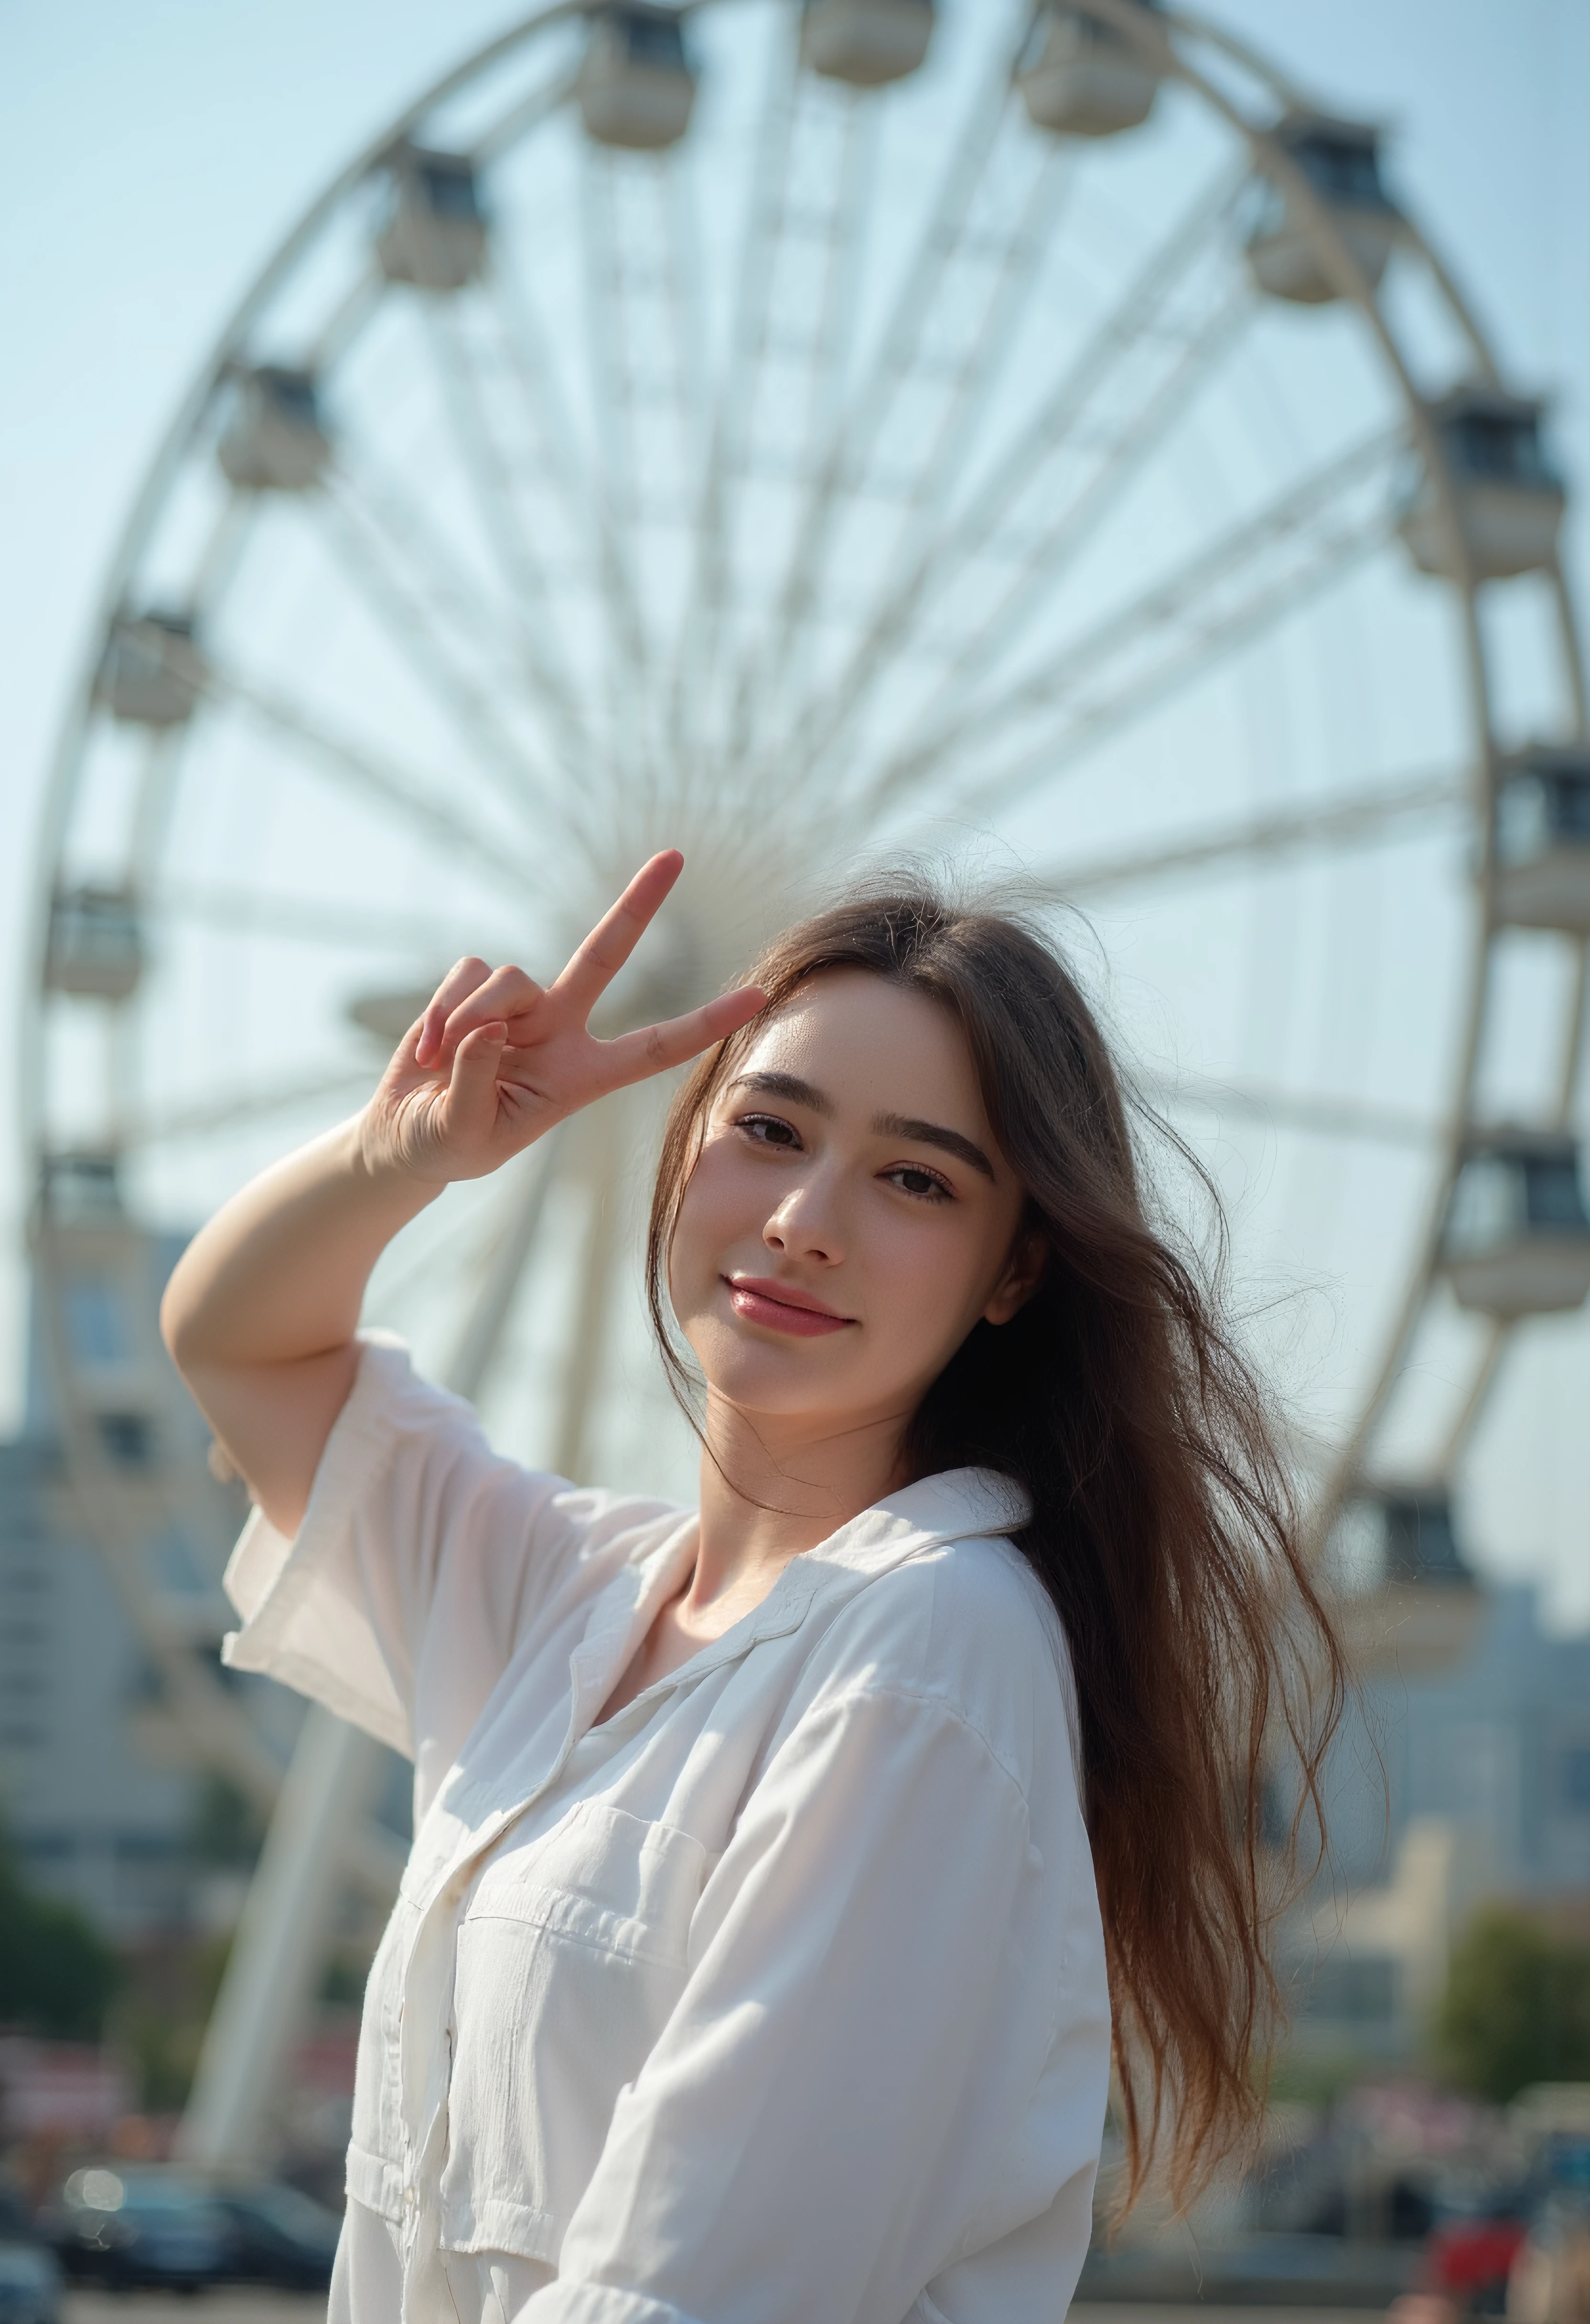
(1446, 1790)
(98, 1785)
(93, 1788)
(100, 1790)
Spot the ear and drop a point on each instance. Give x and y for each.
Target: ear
(1024, 1271)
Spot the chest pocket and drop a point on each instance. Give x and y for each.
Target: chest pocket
(570, 1959)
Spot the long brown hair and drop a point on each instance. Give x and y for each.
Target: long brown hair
(1162, 1525)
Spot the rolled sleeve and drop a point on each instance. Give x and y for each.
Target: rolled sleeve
(413, 1522)
(873, 1996)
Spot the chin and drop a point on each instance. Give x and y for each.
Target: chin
(760, 1377)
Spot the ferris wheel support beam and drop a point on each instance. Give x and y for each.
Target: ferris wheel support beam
(280, 1948)
(322, 1826)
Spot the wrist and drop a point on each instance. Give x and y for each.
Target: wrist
(373, 1158)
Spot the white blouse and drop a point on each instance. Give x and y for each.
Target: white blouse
(777, 1998)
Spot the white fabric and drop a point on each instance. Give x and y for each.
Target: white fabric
(779, 1997)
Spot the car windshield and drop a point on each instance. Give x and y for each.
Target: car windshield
(164, 2195)
(284, 2209)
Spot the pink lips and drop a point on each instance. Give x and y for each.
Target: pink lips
(778, 1307)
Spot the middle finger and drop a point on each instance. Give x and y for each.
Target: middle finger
(507, 996)
(616, 935)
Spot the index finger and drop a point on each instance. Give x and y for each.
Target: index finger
(616, 935)
(656, 1047)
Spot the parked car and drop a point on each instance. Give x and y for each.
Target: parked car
(30, 2273)
(1470, 2253)
(126, 2226)
(279, 2235)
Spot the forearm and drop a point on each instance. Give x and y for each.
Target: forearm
(278, 1274)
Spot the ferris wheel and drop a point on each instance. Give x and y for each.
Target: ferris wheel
(1034, 440)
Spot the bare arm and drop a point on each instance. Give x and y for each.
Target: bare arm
(261, 1310)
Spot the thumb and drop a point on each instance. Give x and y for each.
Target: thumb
(470, 1109)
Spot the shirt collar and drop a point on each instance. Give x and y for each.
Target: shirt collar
(956, 1505)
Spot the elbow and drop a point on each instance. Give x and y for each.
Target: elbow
(179, 1324)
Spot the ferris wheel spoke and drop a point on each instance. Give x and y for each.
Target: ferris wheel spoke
(853, 438)
(1108, 412)
(674, 447)
(606, 264)
(1173, 634)
(557, 455)
(492, 484)
(1498, 1334)
(375, 545)
(603, 1172)
(373, 775)
(1046, 558)
(503, 1270)
(759, 689)
(346, 320)
(216, 1115)
(1015, 263)
(538, 104)
(1362, 819)
(1309, 1112)
(223, 552)
(708, 596)
(306, 921)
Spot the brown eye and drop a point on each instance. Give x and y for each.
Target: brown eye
(768, 1129)
(911, 1180)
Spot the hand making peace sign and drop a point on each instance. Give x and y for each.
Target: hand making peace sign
(497, 1058)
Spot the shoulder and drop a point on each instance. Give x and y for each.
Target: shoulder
(430, 1448)
(963, 1626)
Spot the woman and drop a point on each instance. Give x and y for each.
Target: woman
(750, 1962)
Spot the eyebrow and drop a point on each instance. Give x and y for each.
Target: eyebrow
(885, 1125)
(933, 1133)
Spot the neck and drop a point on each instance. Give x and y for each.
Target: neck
(770, 1489)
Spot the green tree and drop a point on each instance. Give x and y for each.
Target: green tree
(57, 1973)
(224, 1829)
(1517, 2006)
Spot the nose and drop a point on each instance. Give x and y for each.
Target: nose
(804, 1225)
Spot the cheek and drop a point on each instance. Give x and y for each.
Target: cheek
(925, 1274)
(713, 1210)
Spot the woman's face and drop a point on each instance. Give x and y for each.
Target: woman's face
(849, 1217)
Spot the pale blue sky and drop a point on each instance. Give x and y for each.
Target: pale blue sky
(150, 159)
